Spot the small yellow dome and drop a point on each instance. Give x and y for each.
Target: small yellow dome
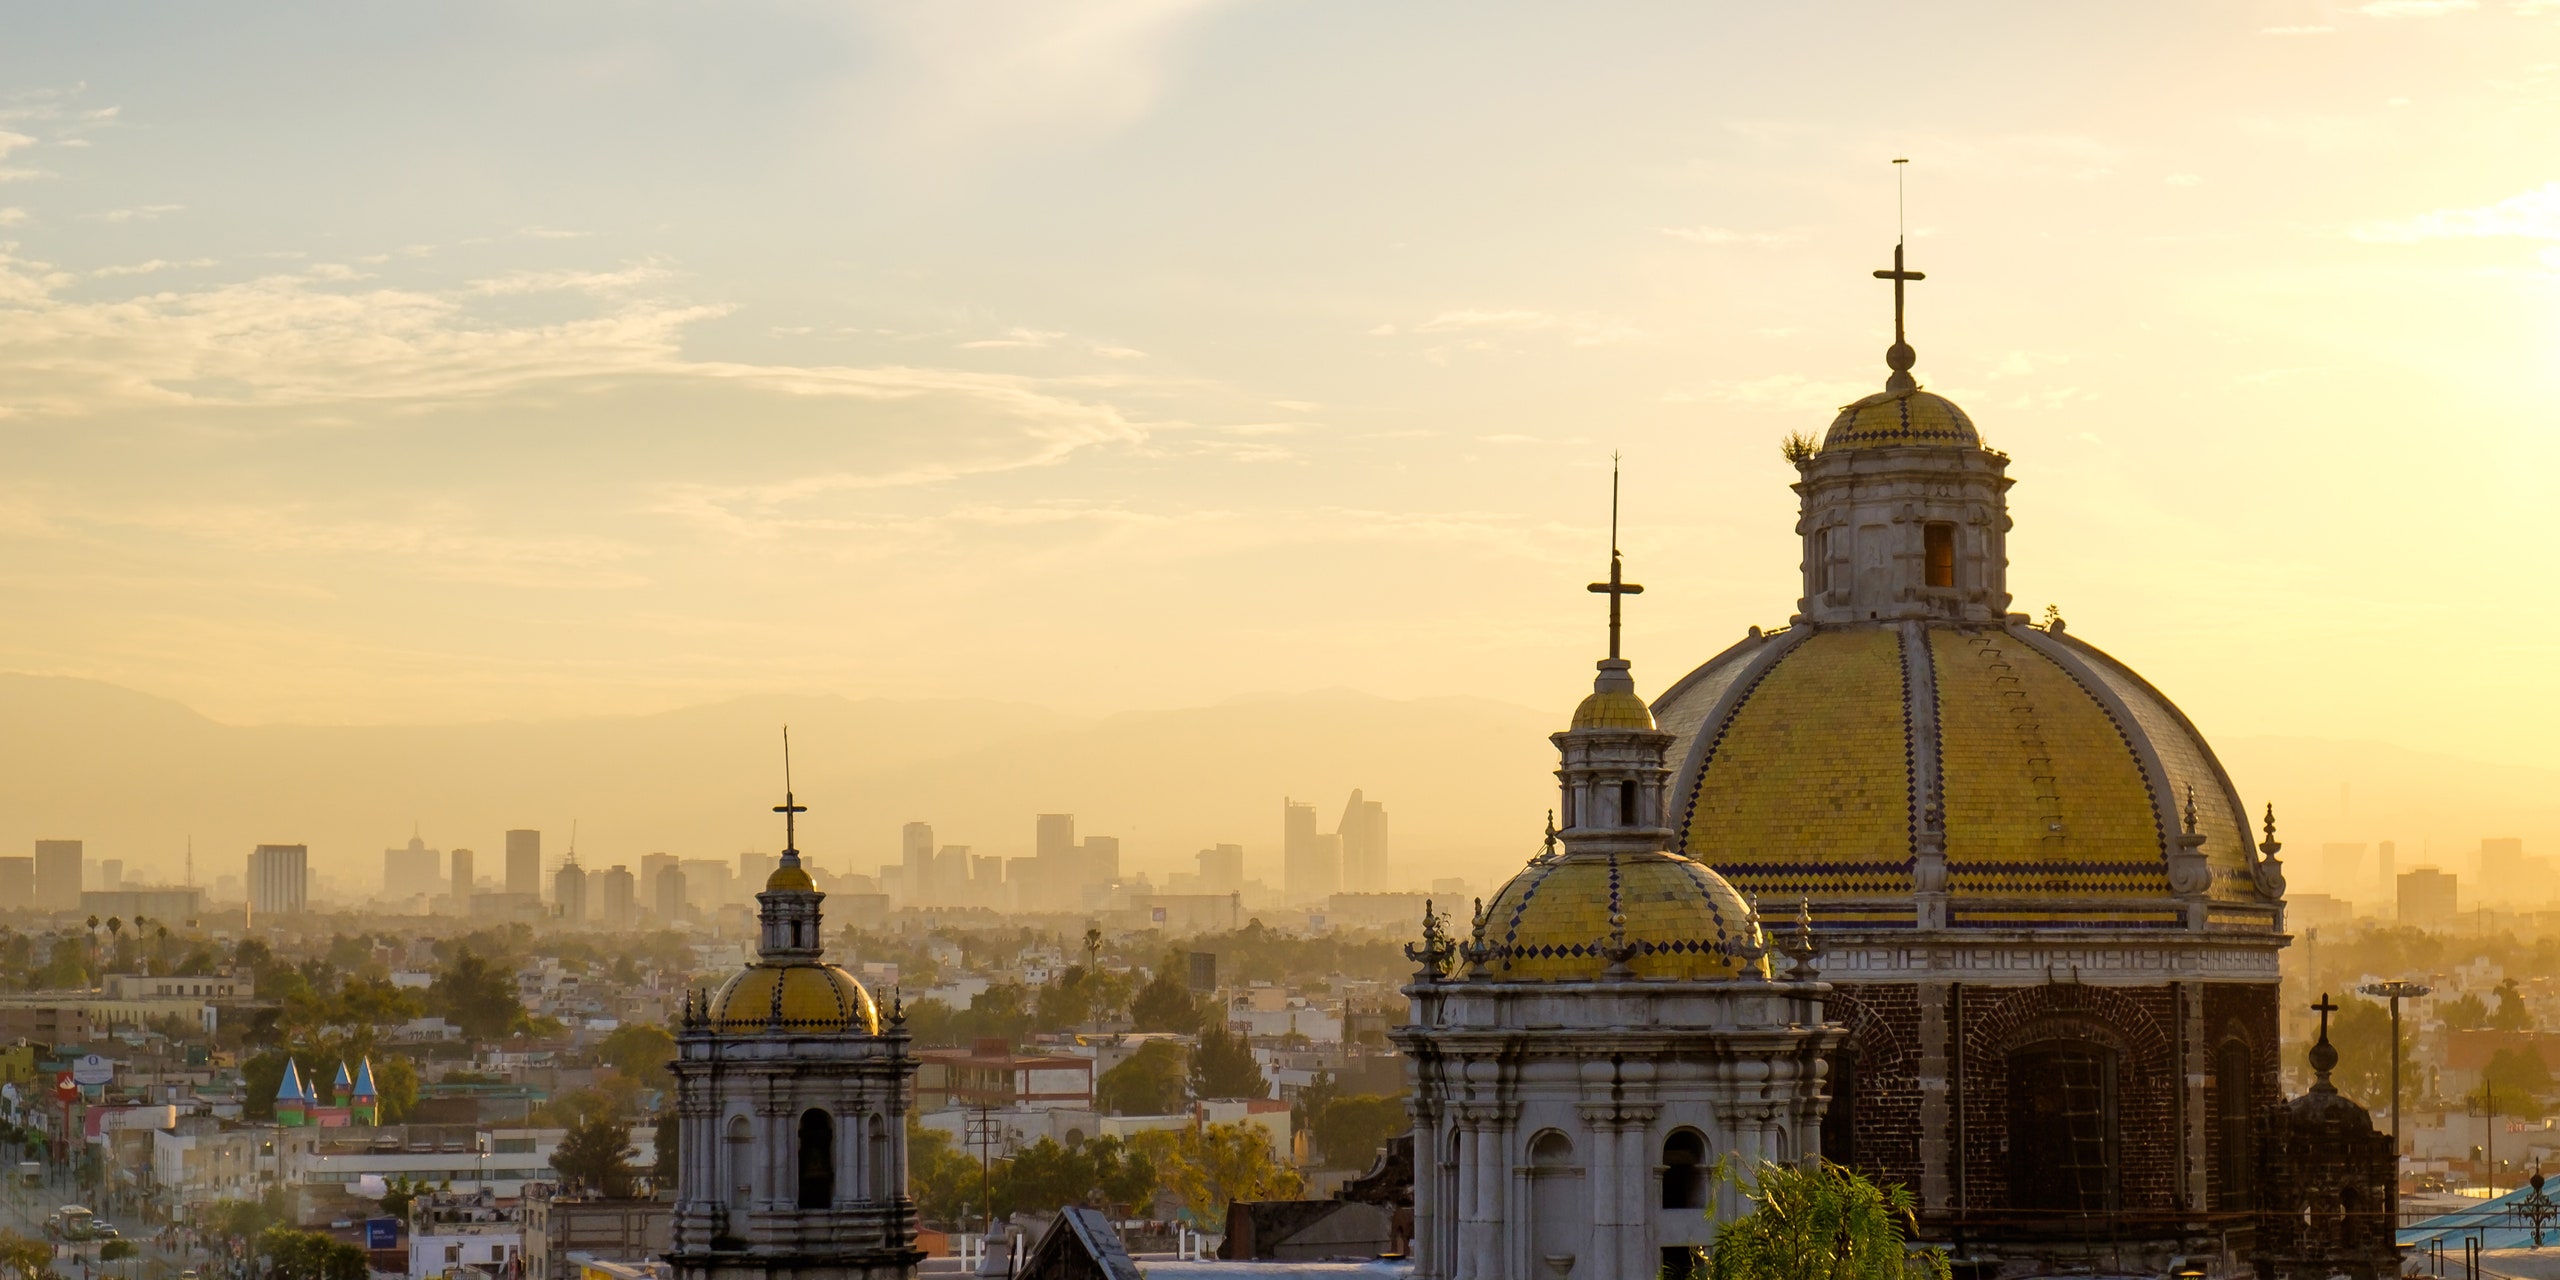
(1611, 709)
(815, 998)
(790, 875)
(1890, 418)
(1552, 921)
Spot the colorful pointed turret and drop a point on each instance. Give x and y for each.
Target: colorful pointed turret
(363, 1106)
(293, 1101)
(338, 1087)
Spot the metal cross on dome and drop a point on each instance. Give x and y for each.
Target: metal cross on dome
(1899, 357)
(789, 809)
(2324, 1008)
(1617, 587)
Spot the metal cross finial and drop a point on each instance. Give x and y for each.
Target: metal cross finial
(2324, 1007)
(789, 808)
(1899, 357)
(1617, 587)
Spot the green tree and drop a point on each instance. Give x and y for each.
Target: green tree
(1222, 1066)
(1166, 1002)
(2465, 1013)
(477, 995)
(640, 1050)
(24, 1259)
(1822, 1223)
(670, 1136)
(308, 1255)
(117, 1250)
(2361, 1033)
(2510, 1014)
(399, 1191)
(2520, 1081)
(1208, 1168)
(942, 1178)
(1146, 1083)
(596, 1154)
(1351, 1130)
(1064, 1004)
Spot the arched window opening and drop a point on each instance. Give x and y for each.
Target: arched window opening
(1627, 805)
(2231, 1183)
(1821, 561)
(1940, 540)
(2062, 1128)
(817, 1159)
(1684, 1170)
(738, 1162)
(1840, 1121)
(884, 1172)
(1559, 1208)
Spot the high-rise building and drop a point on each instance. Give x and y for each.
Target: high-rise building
(1054, 837)
(111, 875)
(57, 875)
(279, 879)
(915, 857)
(706, 885)
(2389, 855)
(1101, 859)
(667, 894)
(1307, 874)
(17, 881)
(524, 862)
(650, 865)
(2503, 869)
(615, 900)
(462, 882)
(1222, 869)
(1364, 845)
(755, 868)
(411, 870)
(569, 891)
(2427, 898)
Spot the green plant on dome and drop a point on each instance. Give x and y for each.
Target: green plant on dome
(1820, 1222)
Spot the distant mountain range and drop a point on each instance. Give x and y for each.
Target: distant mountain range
(1466, 782)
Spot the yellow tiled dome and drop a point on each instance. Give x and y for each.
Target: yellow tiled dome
(815, 998)
(1610, 709)
(790, 875)
(2061, 778)
(1552, 921)
(1890, 418)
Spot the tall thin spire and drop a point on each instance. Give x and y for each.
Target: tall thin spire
(790, 809)
(1899, 357)
(1617, 587)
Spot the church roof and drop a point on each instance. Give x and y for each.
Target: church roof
(1561, 918)
(1910, 416)
(1815, 761)
(806, 998)
(1613, 709)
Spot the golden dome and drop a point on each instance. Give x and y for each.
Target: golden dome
(790, 875)
(1889, 418)
(2060, 778)
(1552, 921)
(1613, 709)
(815, 999)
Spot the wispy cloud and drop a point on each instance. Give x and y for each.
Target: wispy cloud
(551, 233)
(11, 217)
(148, 268)
(139, 213)
(1578, 330)
(1014, 338)
(1792, 391)
(2297, 31)
(2530, 215)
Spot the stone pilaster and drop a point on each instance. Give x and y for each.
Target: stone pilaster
(1937, 1153)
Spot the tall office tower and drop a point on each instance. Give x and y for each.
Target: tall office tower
(1056, 866)
(1101, 859)
(915, 856)
(279, 879)
(2389, 856)
(669, 895)
(1054, 837)
(462, 884)
(1299, 881)
(2502, 868)
(524, 862)
(569, 890)
(111, 875)
(756, 868)
(650, 865)
(706, 885)
(17, 883)
(412, 869)
(2427, 898)
(946, 878)
(1364, 845)
(57, 875)
(1325, 874)
(986, 880)
(1222, 869)
(614, 901)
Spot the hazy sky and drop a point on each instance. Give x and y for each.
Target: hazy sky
(455, 361)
